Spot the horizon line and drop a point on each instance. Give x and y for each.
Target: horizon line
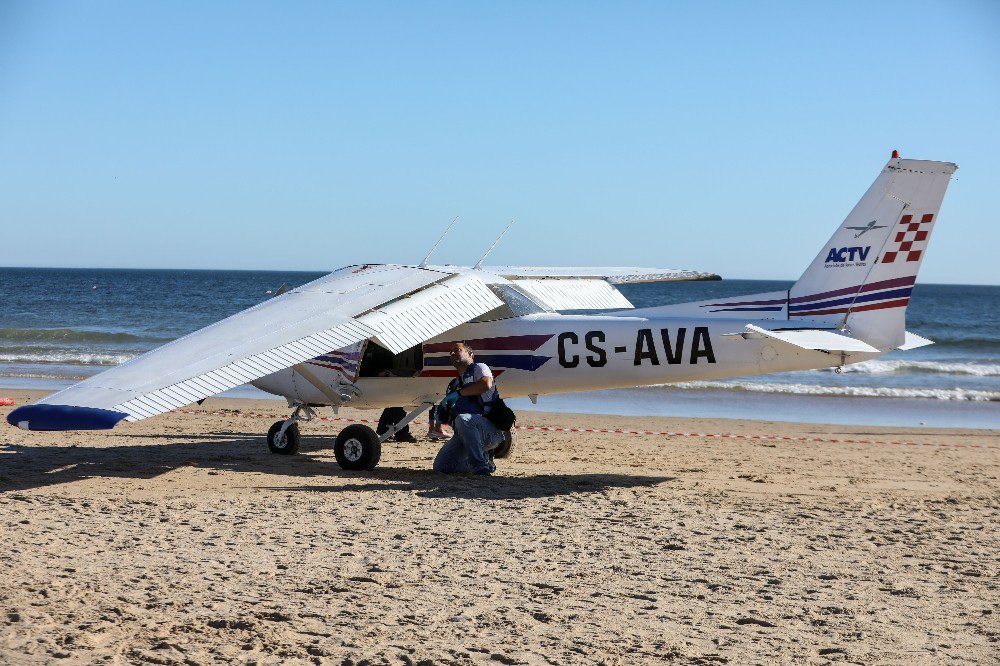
(327, 271)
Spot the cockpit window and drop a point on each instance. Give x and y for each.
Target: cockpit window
(515, 304)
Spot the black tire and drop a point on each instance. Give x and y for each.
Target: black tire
(289, 443)
(357, 448)
(506, 447)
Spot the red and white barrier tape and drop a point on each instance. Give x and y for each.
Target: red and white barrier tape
(618, 431)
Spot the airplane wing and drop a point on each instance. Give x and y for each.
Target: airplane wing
(582, 288)
(397, 306)
(574, 293)
(612, 275)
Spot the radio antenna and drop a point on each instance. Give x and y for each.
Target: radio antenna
(480, 262)
(423, 264)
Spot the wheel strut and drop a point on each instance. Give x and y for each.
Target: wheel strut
(405, 421)
(302, 412)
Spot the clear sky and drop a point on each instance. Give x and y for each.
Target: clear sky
(727, 137)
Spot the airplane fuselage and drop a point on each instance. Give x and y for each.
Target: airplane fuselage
(553, 353)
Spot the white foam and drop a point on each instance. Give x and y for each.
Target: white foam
(880, 367)
(41, 375)
(955, 394)
(67, 358)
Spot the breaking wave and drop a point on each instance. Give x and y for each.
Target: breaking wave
(43, 375)
(66, 358)
(952, 394)
(880, 367)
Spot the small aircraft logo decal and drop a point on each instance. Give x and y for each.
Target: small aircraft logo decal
(869, 227)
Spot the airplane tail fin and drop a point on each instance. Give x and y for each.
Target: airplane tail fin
(862, 278)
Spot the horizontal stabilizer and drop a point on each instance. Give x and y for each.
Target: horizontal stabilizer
(819, 339)
(912, 341)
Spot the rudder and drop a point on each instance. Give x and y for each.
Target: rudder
(862, 278)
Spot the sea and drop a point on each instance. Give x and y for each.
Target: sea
(58, 326)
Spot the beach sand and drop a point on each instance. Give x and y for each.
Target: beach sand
(180, 539)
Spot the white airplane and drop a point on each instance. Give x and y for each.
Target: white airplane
(377, 335)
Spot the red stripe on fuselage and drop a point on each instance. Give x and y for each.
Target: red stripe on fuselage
(901, 303)
(508, 343)
(450, 373)
(873, 286)
(333, 366)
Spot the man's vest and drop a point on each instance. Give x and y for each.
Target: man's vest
(475, 404)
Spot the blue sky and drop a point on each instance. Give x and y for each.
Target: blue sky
(729, 137)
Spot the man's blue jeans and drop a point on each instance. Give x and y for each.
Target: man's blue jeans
(468, 450)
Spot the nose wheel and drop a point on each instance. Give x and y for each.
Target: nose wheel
(283, 441)
(283, 437)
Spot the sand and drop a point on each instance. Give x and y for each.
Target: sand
(181, 540)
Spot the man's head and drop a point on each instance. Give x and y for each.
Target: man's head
(461, 356)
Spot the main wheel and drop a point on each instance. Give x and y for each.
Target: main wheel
(357, 448)
(506, 447)
(288, 443)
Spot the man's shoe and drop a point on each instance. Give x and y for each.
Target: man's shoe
(405, 438)
(483, 472)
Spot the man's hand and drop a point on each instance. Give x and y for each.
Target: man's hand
(450, 401)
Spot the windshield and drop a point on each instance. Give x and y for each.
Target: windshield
(516, 304)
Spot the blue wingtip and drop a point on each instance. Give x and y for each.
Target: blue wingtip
(63, 417)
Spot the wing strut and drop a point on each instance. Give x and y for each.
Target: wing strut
(423, 264)
(495, 243)
(396, 427)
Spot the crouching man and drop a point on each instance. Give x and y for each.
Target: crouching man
(469, 449)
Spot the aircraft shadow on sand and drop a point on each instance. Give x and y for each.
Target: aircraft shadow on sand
(26, 467)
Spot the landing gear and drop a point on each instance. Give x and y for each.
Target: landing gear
(284, 443)
(283, 437)
(357, 448)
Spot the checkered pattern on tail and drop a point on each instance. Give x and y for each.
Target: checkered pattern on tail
(910, 240)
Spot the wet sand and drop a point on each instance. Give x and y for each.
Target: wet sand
(182, 540)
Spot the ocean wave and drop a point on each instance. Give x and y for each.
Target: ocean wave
(881, 367)
(43, 375)
(71, 335)
(953, 394)
(67, 358)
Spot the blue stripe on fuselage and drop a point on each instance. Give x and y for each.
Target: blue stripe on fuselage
(510, 361)
(861, 298)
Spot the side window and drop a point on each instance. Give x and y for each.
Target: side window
(515, 304)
